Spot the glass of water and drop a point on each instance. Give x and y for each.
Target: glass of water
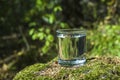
(72, 46)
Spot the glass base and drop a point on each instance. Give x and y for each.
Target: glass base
(75, 62)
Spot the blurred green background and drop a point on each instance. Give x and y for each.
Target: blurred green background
(28, 30)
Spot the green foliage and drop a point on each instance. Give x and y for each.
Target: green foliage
(89, 13)
(105, 40)
(44, 28)
(50, 20)
(43, 17)
(45, 36)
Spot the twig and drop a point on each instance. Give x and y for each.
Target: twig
(24, 38)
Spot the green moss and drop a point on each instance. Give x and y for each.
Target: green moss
(28, 72)
(95, 69)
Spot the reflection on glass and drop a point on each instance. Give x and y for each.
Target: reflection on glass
(72, 45)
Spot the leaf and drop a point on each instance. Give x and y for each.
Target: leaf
(41, 29)
(64, 25)
(32, 24)
(39, 2)
(41, 35)
(45, 18)
(47, 31)
(51, 18)
(57, 8)
(31, 32)
(45, 49)
(34, 36)
(47, 43)
(50, 38)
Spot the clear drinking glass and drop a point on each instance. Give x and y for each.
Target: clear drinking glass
(72, 46)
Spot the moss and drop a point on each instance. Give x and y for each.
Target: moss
(98, 68)
(28, 72)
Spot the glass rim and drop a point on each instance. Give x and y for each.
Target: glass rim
(71, 31)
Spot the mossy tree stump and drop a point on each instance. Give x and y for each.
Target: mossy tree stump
(96, 68)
